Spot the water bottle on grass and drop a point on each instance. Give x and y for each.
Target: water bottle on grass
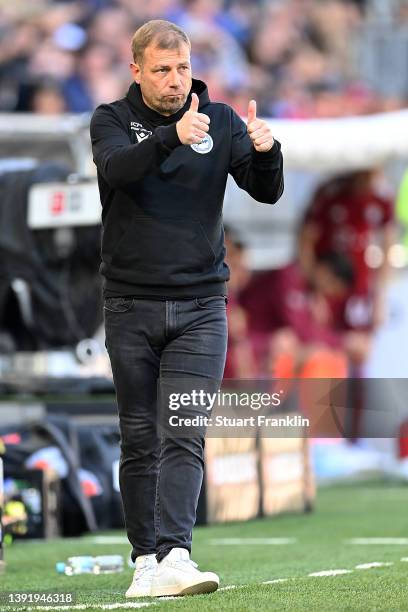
(108, 564)
(101, 564)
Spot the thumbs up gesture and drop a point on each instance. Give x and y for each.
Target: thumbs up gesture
(258, 130)
(193, 126)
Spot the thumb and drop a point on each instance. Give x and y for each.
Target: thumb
(194, 102)
(251, 111)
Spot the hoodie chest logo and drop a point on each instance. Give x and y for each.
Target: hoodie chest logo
(140, 131)
(204, 146)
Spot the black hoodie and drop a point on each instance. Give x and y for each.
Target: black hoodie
(162, 201)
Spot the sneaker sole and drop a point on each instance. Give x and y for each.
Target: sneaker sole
(201, 588)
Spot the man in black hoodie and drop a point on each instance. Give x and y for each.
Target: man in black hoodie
(163, 154)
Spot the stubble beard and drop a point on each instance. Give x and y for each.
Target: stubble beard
(169, 105)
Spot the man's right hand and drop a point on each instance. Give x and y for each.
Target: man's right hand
(193, 126)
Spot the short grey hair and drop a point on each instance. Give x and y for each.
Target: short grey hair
(164, 34)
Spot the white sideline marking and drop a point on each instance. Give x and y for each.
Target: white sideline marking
(335, 572)
(250, 541)
(214, 541)
(107, 540)
(166, 597)
(399, 541)
(114, 606)
(230, 586)
(243, 586)
(374, 564)
(134, 604)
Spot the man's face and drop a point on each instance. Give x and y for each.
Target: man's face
(164, 77)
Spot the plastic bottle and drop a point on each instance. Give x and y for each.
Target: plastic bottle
(108, 564)
(102, 564)
(76, 565)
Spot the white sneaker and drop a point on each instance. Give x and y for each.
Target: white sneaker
(146, 566)
(176, 574)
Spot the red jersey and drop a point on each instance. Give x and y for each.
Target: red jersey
(355, 312)
(281, 298)
(348, 222)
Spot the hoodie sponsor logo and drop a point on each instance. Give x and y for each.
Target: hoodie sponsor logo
(141, 132)
(204, 146)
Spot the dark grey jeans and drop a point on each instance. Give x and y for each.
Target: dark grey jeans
(160, 477)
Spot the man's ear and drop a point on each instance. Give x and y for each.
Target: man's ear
(135, 69)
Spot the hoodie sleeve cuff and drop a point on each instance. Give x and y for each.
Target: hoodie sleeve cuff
(267, 157)
(168, 136)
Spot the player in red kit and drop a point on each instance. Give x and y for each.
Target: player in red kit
(349, 215)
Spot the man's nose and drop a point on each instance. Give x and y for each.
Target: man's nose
(174, 79)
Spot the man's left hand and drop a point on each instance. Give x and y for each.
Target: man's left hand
(258, 130)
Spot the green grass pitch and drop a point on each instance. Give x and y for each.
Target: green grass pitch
(322, 542)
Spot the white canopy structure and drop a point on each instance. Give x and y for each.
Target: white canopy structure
(312, 149)
(325, 145)
(336, 145)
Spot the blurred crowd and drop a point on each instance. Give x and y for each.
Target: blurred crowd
(294, 56)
